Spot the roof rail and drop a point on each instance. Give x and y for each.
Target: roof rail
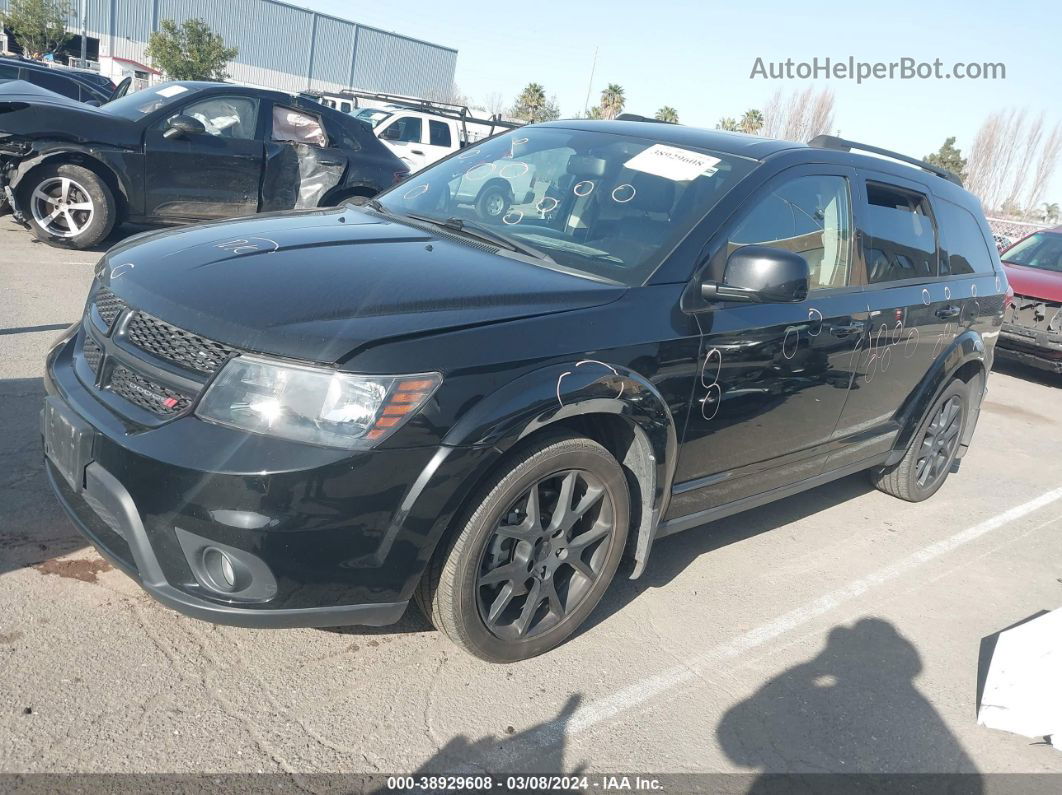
(843, 145)
(637, 117)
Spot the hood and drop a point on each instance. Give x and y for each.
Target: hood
(1034, 282)
(321, 285)
(30, 111)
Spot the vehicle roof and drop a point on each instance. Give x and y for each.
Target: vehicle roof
(84, 76)
(680, 135)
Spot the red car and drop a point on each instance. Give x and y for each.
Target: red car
(1032, 323)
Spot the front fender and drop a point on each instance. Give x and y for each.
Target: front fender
(582, 389)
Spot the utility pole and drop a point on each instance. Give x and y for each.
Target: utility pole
(84, 34)
(590, 85)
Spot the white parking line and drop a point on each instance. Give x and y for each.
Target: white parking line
(645, 690)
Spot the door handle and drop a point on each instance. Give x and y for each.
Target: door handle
(416, 151)
(948, 312)
(847, 330)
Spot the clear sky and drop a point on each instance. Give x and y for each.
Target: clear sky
(697, 57)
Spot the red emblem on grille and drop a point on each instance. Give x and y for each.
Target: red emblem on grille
(170, 402)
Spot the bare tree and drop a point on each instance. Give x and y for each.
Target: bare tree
(1011, 161)
(799, 115)
(496, 104)
(1045, 169)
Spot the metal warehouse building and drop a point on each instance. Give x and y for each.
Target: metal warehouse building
(280, 46)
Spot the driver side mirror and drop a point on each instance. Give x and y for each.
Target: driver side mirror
(181, 125)
(763, 275)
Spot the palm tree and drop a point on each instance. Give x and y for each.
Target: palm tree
(751, 122)
(729, 124)
(530, 103)
(1051, 212)
(612, 101)
(668, 114)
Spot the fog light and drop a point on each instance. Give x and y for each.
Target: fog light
(219, 567)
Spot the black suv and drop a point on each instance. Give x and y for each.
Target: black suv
(175, 153)
(310, 419)
(78, 84)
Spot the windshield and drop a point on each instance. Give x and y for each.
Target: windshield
(372, 116)
(137, 105)
(1042, 250)
(599, 203)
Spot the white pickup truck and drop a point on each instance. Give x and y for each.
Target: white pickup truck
(419, 131)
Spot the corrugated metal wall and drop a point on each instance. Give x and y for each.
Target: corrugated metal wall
(387, 62)
(281, 46)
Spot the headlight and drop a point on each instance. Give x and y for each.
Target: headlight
(314, 404)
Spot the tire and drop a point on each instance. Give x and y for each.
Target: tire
(936, 443)
(90, 210)
(493, 203)
(467, 578)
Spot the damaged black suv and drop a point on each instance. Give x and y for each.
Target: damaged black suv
(176, 153)
(309, 419)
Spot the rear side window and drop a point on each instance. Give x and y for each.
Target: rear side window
(900, 240)
(60, 85)
(965, 248)
(298, 127)
(439, 132)
(810, 216)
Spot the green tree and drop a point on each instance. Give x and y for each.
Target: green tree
(39, 25)
(751, 122)
(1051, 212)
(668, 114)
(948, 157)
(729, 124)
(612, 101)
(189, 52)
(530, 103)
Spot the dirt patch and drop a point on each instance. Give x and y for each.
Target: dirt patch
(8, 638)
(1016, 411)
(84, 570)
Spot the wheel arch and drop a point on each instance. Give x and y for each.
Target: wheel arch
(341, 192)
(966, 359)
(28, 168)
(609, 404)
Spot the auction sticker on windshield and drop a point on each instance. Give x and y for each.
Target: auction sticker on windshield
(673, 163)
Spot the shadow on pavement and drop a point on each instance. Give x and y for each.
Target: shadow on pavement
(33, 528)
(539, 749)
(852, 709)
(1026, 373)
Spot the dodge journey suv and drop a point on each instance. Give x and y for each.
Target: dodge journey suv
(312, 418)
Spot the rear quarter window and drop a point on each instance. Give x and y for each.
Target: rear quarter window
(900, 240)
(56, 83)
(965, 248)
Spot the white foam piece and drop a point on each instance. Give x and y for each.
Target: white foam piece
(1023, 691)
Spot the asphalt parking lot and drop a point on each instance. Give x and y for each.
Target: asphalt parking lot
(838, 630)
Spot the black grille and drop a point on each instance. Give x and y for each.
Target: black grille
(93, 354)
(148, 394)
(176, 345)
(108, 305)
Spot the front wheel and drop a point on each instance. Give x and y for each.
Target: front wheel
(69, 206)
(534, 558)
(928, 460)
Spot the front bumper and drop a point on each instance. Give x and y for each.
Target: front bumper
(1036, 348)
(325, 537)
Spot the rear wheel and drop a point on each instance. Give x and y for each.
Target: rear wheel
(535, 556)
(493, 202)
(69, 206)
(928, 460)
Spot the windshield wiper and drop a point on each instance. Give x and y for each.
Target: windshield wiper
(484, 234)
